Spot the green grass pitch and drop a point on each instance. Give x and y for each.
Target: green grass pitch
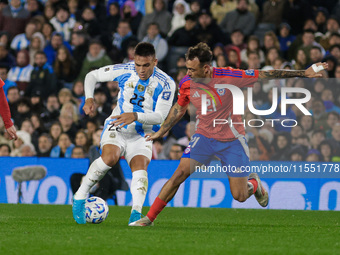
(50, 229)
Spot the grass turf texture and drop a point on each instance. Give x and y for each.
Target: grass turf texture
(50, 229)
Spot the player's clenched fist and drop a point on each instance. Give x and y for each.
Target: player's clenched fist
(89, 106)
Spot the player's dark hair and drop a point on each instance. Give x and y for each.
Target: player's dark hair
(145, 49)
(202, 52)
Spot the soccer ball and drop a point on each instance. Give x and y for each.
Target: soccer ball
(96, 210)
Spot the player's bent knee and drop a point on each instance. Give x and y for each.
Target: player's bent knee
(109, 160)
(240, 196)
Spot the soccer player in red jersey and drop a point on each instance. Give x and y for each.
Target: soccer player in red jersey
(6, 114)
(225, 141)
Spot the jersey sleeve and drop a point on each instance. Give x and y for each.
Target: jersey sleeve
(104, 74)
(184, 91)
(243, 78)
(1, 83)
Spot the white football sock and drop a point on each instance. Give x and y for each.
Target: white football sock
(139, 187)
(96, 172)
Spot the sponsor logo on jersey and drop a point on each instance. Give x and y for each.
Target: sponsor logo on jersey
(150, 90)
(140, 88)
(166, 95)
(250, 72)
(221, 92)
(129, 84)
(196, 94)
(107, 69)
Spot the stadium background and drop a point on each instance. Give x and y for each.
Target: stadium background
(38, 104)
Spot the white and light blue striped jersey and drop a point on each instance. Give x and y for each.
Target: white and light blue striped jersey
(22, 74)
(136, 95)
(20, 42)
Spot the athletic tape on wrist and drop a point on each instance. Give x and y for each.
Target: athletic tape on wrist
(317, 68)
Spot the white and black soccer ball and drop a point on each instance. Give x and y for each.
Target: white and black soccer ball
(96, 210)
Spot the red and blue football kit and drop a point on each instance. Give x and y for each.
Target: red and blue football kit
(226, 141)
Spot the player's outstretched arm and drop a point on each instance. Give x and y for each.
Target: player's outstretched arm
(176, 113)
(311, 72)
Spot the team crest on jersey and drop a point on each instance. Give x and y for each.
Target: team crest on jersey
(107, 69)
(187, 150)
(41, 75)
(250, 72)
(166, 95)
(221, 92)
(140, 88)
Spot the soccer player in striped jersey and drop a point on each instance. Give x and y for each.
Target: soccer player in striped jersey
(145, 98)
(226, 141)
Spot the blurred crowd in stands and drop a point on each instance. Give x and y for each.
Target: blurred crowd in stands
(48, 46)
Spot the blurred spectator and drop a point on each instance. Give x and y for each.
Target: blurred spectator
(234, 58)
(253, 60)
(44, 145)
(129, 13)
(179, 10)
(326, 151)
(13, 98)
(51, 112)
(321, 15)
(13, 18)
(37, 43)
(43, 79)
(95, 58)
(160, 15)
(123, 38)
(64, 67)
(5, 150)
(245, 19)
(27, 126)
(318, 136)
(34, 7)
(327, 97)
(313, 156)
(98, 8)
(253, 44)
(272, 11)
(315, 54)
(6, 58)
(103, 105)
(282, 145)
(222, 60)
(307, 124)
(47, 31)
(21, 73)
(219, 8)
(80, 48)
(90, 23)
(270, 40)
(78, 152)
(27, 150)
(237, 40)
(285, 38)
(62, 22)
(52, 47)
(296, 12)
(23, 138)
(295, 133)
(254, 153)
(55, 132)
(21, 41)
(157, 149)
(176, 152)
(185, 36)
(38, 124)
(4, 76)
(64, 147)
(153, 36)
(110, 22)
(189, 132)
(208, 31)
(49, 11)
(301, 60)
(297, 153)
(195, 7)
(332, 119)
(82, 141)
(24, 111)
